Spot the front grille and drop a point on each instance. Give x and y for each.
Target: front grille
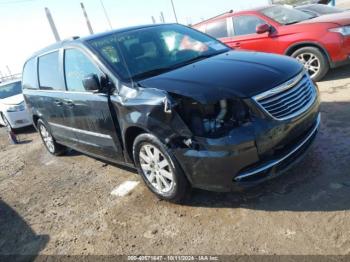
(290, 99)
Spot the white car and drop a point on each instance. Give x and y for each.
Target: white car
(13, 111)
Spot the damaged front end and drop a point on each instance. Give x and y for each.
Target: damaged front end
(222, 141)
(214, 119)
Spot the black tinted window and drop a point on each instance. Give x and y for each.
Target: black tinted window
(76, 67)
(217, 29)
(246, 24)
(49, 73)
(30, 77)
(138, 54)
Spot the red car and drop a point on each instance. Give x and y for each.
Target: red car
(319, 43)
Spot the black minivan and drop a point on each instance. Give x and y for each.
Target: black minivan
(183, 108)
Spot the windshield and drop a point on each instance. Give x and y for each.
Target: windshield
(286, 16)
(323, 9)
(146, 52)
(10, 90)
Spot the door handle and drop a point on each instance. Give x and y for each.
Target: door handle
(237, 44)
(69, 103)
(58, 102)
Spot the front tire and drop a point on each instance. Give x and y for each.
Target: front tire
(51, 145)
(6, 122)
(159, 169)
(314, 61)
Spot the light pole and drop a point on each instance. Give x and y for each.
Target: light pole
(107, 17)
(172, 3)
(52, 24)
(87, 19)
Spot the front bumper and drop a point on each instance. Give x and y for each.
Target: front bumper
(341, 63)
(275, 167)
(242, 160)
(19, 119)
(341, 54)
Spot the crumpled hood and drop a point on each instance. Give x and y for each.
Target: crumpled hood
(232, 74)
(12, 100)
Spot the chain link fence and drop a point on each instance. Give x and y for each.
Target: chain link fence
(9, 78)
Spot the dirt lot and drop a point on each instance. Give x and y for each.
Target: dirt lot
(64, 205)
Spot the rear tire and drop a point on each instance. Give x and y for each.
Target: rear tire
(50, 143)
(314, 60)
(159, 169)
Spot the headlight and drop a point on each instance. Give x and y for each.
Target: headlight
(344, 30)
(17, 108)
(213, 119)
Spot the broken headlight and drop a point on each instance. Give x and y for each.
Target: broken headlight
(213, 119)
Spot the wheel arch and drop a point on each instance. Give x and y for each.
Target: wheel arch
(130, 135)
(35, 120)
(291, 49)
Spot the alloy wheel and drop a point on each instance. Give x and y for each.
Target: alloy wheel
(311, 63)
(156, 168)
(47, 138)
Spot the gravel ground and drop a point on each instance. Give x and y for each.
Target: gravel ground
(63, 205)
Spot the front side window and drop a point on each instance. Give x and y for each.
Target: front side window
(146, 52)
(217, 29)
(246, 24)
(49, 73)
(286, 16)
(10, 90)
(76, 67)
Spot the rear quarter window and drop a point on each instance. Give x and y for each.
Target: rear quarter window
(49, 73)
(29, 75)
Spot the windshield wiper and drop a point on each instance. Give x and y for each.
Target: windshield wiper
(153, 72)
(198, 58)
(293, 22)
(161, 70)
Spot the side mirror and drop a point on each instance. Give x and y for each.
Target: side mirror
(261, 29)
(91, 83)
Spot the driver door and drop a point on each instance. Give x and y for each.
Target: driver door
(245, 36)
(90, 115)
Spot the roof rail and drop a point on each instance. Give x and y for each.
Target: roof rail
(228, 12)
(71, 38)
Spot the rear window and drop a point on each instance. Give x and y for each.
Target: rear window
(30, 78)
(49, 73)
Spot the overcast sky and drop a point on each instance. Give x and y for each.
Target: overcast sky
(24, 27)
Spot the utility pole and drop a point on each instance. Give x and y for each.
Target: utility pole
(107, 17)
(87, 19)
(52, 24)
(162, 17)
(153, 20)
(172, 3)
